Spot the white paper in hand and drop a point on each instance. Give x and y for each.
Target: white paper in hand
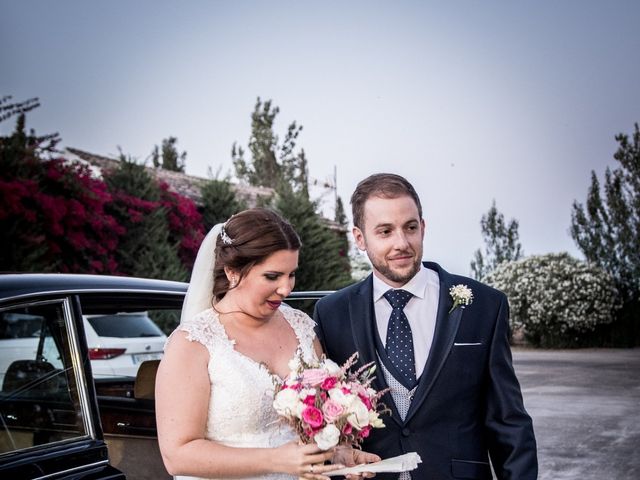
(401, 463)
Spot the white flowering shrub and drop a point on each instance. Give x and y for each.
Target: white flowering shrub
(360, 265)
(555, 298)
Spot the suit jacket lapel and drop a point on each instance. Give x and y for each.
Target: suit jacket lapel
(361, 314)
(444, 335)
(362, 317)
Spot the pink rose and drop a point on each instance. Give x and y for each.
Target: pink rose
(312, 417)
(365, 400)
(310, 400)
(364, 433)
(329, 383)
(332, 410)
(313, 376)
(359, 389)
(347, 429)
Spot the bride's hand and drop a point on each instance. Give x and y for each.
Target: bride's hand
(352, 456)
(306, 461)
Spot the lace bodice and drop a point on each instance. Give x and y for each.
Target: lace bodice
(241, 410)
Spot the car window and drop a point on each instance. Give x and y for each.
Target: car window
(124, 325)
(41, 401)
(19, 325)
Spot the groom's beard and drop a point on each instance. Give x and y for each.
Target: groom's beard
(397, 275)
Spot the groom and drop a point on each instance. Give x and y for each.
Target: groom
(454, 396)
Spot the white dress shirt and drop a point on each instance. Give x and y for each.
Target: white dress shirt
(421, 311)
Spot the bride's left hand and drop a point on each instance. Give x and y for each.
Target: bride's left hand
(350, 457)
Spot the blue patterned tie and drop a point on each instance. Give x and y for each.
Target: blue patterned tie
(399, 340)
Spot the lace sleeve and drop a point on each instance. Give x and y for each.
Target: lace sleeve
(200, 328)
(304, 326)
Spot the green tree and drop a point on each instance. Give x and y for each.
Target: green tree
(323, 262)
(20, 144)
(295, 172)
(341, 221)
(272, 164)
(145, 249)
(501, 243)
(607, 228)
(219, 202)
(340, 216)
(8, 109)
(168, 157)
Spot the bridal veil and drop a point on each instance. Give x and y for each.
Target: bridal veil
(200, 292)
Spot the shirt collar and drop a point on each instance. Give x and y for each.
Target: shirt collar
(417, 286)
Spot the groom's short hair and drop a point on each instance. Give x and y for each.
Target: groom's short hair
(383, 185)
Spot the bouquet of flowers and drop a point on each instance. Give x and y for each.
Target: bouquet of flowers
(328, 404)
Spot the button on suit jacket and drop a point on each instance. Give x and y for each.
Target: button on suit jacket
(468, 404)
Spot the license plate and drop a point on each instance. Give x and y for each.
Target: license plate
(143, 357)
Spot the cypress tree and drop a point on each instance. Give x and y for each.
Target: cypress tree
(168, 157)
(219, 202)
(324, 261)
(323, 265)
(502, 243)
(607, 228)
(145, 249)
(607, 231)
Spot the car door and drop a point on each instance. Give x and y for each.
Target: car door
(49, 422)
(125, 399)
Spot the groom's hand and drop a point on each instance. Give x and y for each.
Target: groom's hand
(352, 456)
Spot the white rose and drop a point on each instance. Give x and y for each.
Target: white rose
(302, 394)
(374, 420)
(327, 437)
(338, 396)
(286, 402)
(358, 414)
(331, 367)
(305, 392)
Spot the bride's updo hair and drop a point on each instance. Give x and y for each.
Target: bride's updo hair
(247, 239)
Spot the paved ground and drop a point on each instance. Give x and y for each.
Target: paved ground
(585, 406)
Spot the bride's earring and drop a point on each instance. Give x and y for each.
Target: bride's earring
(233, 282)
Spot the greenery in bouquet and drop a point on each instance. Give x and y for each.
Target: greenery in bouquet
(329, 404)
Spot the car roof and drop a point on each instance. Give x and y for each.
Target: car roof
(20, 285)
(25, 285)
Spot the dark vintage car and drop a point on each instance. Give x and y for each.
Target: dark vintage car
(58, 420)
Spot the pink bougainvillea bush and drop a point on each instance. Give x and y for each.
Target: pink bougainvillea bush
(53, 219)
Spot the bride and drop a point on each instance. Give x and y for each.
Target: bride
(214, 389)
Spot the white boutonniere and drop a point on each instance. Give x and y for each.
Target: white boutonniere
(462, 296)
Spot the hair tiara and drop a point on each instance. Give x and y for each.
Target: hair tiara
(226, 239)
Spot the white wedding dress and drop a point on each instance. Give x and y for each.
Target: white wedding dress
(241, 412)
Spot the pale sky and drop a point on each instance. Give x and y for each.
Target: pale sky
(471, 101)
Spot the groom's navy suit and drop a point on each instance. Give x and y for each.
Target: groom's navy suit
(468, 403)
